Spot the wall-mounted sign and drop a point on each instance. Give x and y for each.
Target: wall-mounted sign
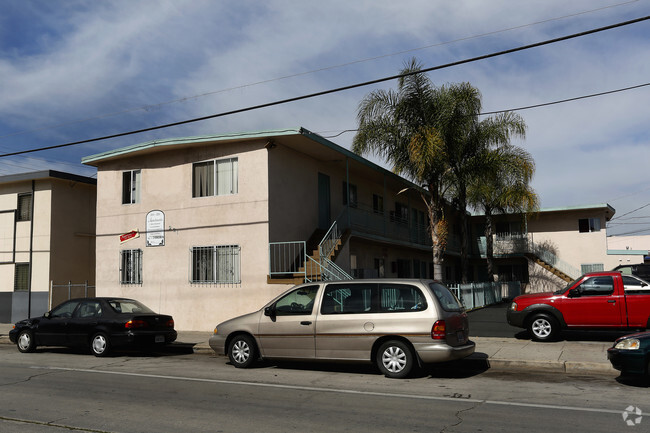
(128, 236)
(155, 228)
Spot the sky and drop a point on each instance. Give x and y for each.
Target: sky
(76, 70)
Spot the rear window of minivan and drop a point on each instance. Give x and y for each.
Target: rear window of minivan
(448, 301)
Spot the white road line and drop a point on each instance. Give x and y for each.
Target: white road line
(337, 391)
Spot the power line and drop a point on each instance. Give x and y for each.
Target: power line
(544, 104)
(341, 65)
(339, 89)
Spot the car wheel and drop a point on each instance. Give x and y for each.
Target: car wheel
(242, 351)
(100, 344)
(395, 359)
(25, 341)
(543, 328)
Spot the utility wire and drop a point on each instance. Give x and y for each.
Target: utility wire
(326, 68)
(339, 89)
(544, 104)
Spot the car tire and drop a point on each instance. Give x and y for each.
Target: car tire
(543, 327)
(25, 341)
(395, 359)
(100, 345)
(242, 351)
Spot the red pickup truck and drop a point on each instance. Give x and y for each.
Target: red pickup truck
(597, 300)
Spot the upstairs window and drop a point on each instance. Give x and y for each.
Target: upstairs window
(586, 225)
(216, 177)
(131, 186)
(378, 204)
(352, 191)
(24, 211)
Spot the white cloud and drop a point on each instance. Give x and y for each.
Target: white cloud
(86, 60)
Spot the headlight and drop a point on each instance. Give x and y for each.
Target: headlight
(513, 306)
(628, 344)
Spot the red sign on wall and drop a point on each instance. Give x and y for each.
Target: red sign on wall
(128, 236)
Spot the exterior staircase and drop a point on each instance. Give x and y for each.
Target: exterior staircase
(309, 261)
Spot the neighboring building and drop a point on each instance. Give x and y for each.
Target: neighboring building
(207, 228)
(553, 246)
(639, 243)
(47, 228)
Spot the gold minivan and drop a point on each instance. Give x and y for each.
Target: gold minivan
(395, 323)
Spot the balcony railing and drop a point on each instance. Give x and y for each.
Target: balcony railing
(510, 244)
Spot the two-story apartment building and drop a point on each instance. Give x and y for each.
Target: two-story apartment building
(551, 246)
(47, 227)
(206, 228)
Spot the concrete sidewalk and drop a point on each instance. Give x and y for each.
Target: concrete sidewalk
(498, 353)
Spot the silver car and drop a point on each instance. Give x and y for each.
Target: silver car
(394, 323)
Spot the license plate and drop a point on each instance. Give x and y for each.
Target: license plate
(460, 337)
(159, 339)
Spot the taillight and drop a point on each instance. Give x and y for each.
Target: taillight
(136, 324)
(438, 332)
(170, 323)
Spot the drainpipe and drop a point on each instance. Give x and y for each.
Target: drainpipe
(347, 181)
(31, 252)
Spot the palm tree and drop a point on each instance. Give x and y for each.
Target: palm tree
(503, 186)
(402, 126)
(433, 136)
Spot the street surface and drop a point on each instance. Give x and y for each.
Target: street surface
(62, 390)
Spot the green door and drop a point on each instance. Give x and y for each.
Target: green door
(323, 201)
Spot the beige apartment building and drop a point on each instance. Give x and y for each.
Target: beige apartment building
(552, 246)
(206, 228)
(47, 227)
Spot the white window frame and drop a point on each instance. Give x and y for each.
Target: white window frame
(131, 266)
(220, 177)
(215, 264)
(132, 180)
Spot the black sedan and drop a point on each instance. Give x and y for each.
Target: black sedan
(631, 354)
(98, 323)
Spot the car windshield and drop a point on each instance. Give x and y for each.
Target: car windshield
(448, 301)
(128, 306)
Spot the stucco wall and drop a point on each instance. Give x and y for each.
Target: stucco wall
(239, 219)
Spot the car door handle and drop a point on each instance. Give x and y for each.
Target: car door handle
(305, 322)
(612, 301)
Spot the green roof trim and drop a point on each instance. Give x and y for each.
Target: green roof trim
(627, 252)
(176, 141)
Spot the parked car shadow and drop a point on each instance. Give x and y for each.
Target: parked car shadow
(604, 336)
(458, 369)
(174, 349)
(637, 381)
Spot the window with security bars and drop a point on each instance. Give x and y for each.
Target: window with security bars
(21, 277)
(592, 267)
(131, 267)
(216, 177)
(24, 211)
(217, 264)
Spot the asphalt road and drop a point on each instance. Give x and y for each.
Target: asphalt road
(60, 390)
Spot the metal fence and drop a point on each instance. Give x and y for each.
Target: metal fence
(62, 292)
(476, 295)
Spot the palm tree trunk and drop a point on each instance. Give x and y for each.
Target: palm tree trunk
(489, 245)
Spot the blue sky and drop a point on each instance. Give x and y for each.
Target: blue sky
(74, 70)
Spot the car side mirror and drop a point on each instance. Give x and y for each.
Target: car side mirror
(270, 311)
(575, 293)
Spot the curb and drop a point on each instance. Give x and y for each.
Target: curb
(567, 367)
